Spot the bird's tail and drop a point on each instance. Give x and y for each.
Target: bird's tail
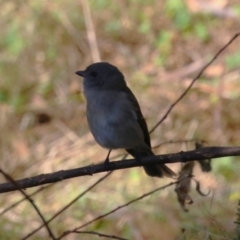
(157, 170)
(205, 165)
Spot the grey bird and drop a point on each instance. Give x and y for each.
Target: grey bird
(114, 115)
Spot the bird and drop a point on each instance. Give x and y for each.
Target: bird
(114, 115)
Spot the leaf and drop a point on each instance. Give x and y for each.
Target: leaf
(183, 185)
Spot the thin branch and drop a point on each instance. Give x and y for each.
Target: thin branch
(23, 199)
(194, 80)
(15, 184)
(68, 205)
(175, 142)
(92, 39)
(116, 209)
(99, 234)
(198, 154)
(71, 203)
(73, 33)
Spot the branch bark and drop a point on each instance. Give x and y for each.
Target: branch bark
(198, 154)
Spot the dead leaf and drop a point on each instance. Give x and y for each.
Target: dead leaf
(199, 190)
(184, 184)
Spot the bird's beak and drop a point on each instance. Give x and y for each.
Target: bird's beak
(81, 73)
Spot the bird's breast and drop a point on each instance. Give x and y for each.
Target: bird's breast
(112, 121)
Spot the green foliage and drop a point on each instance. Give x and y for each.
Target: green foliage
(201, 31)
(14, 42)
(224, 167)
(177, 10)
(45, 89)
(185, 22)
(113, 27)
(17, 100)
(101, 4)
(134, 176)
(3, 95)
(237, 9)
(144, 26)
(164, 45)
(233, 60)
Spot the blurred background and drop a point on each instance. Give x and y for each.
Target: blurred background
(160, 46)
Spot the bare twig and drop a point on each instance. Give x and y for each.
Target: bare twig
(68, 205)
(71, 203)
(9, 178)
(185, 71)
(175, 142)
(99, 234)
(23, 199)
(193, 81)
(73, 33)
(116, 209)
(90, 31)
(198, 154)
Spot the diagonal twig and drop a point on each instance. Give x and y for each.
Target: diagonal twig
(116, 209)
(23, 199)
(99, 234)
(68, 205)
(9, 178)
(193, 81)
(92, 39)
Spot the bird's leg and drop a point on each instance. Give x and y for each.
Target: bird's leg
(138, 157)
(106, 162)
(138, 160)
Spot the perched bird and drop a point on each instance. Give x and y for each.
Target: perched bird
(114, 116)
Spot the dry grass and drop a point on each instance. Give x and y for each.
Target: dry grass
(44, 43)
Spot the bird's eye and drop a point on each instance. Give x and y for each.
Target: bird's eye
(93, 74)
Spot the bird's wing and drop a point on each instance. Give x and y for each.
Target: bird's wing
(139, 117)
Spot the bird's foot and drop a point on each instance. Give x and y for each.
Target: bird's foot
(106, 162)
(138, 160)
